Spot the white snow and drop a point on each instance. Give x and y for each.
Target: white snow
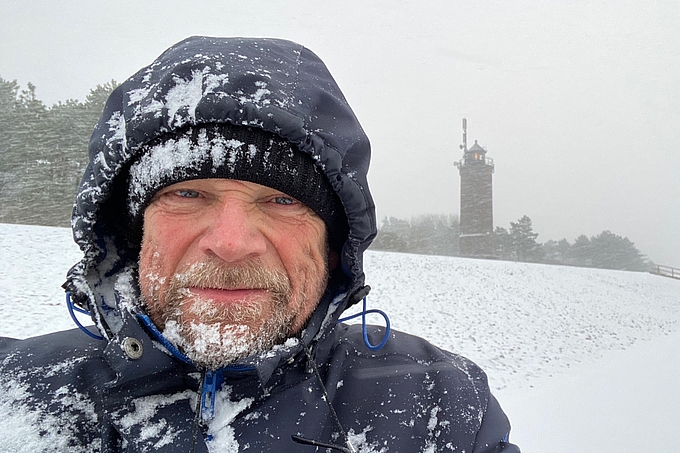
(27, 427)
(582, 360)
(164, 160)
(117, 126)
(223, 435)
(145, 410)
(186, 94)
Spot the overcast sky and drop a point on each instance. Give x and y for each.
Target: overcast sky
(577, 102)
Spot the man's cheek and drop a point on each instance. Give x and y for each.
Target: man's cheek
(151, 277)
(152, 284)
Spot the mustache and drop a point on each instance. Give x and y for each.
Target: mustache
(211, 274)
(216, 274)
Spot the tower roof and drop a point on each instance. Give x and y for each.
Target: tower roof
(476, 148)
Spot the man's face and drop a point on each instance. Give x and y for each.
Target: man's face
(230, 268)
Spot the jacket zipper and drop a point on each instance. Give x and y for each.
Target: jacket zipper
(208, 391)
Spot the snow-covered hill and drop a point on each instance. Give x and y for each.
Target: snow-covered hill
(583, 360)
(521, 321)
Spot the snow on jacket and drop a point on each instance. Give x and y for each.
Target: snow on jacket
(131, 391)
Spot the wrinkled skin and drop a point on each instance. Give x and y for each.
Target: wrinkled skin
(230, 268)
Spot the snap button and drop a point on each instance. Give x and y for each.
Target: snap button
(132, 348)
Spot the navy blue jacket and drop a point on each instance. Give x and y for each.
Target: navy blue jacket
(130, 390)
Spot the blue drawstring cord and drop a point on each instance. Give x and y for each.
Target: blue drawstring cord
(71, 309)
(158, 336)
(363, 314)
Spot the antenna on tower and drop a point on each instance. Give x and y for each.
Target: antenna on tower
(464, 145)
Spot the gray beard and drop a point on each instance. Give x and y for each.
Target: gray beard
(217, 335)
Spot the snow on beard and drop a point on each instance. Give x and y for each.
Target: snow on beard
(215, 335)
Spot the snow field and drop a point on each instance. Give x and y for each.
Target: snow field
(582, 360)
(521, 321)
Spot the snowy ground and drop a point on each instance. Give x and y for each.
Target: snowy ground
(583, 360)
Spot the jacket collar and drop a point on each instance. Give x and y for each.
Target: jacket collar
(139, 349)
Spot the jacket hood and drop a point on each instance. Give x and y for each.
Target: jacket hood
(271, 84)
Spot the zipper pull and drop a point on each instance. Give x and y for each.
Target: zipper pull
(208, 391)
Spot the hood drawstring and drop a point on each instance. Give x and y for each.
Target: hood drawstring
(302, 440)
(316, 443)
(72, 308)
(363, 314)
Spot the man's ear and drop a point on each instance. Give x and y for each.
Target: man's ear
(333, 260)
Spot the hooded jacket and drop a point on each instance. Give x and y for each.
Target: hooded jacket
(125, 388)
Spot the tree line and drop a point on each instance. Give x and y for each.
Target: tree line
(428, 234)
(438, 235)
(43, 152)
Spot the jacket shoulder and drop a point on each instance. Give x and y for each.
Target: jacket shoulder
(441, 397)
(51, 355)
(51, 346)
(414, 354)
(48, 397)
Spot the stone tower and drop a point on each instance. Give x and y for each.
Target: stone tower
(476, 201)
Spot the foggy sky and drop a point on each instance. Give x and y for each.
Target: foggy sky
(577, 102)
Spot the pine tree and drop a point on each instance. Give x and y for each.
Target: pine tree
(23, 155)
(43, 153)
(524, 243)
(392, 235)
(610, 251)
(503, 244)
(10, 145)
(427, 234)
(556, 252)
(581, 252)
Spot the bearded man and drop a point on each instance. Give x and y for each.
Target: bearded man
(223, 218)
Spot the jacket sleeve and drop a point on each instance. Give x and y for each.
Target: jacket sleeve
(493, 434)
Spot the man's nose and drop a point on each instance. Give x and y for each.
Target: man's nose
(234, 234)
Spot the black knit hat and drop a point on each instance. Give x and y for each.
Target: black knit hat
(234, 152)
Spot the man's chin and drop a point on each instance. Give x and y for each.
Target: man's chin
(219, 344)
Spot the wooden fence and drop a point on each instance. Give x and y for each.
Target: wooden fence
(666, 271)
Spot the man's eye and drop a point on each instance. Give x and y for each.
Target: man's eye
(283, 200)
(187, 193)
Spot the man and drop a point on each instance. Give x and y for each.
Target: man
(223, 218)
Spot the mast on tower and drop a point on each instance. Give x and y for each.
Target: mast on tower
(464, 145)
